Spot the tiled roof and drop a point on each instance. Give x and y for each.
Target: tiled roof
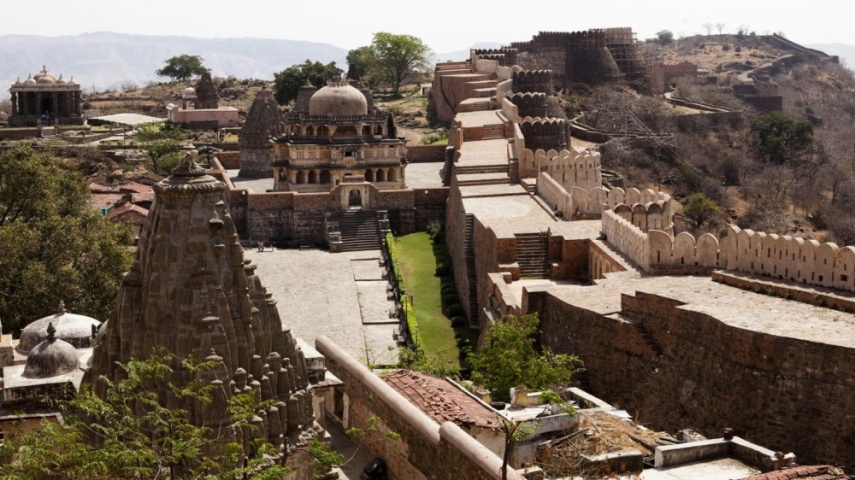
(125, 208)
(441, 400)
(106, 200)
(135, 187)
(809, 472)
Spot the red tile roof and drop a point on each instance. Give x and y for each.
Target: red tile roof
(808, 472)
(441, 400)
(126, 208)
(105, 200)
(135, 187)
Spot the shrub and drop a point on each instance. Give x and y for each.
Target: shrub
(458, 322)
(450, 299)
(455, 310)
(443, 269)
(448, 289)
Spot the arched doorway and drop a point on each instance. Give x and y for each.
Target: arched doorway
(354, 199)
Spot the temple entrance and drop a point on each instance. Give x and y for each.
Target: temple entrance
(354, 199)
(47, 107)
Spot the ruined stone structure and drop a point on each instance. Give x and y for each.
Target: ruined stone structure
(206, 93)
(262, 123)
(191, 292)
(43, 99)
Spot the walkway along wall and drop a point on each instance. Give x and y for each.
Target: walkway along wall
(425, 450)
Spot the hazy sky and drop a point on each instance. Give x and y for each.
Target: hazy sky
(444, 24)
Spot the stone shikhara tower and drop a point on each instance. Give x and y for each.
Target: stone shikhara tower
(191, 291)
(256, 150)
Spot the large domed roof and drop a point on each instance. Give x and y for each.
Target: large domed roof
(51, 357)
(44, 77)
(338, 99)
(72, 328)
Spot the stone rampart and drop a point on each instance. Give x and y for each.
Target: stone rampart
(568, 167)
(546, 133)
(627, 238)
(646, 209)
(530, 104)
(770, 255)
(484, 65)
(532, 81)
(426, 449)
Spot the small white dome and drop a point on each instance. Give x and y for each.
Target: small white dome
(72, 328)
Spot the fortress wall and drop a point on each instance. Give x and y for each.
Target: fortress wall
(510, 111)
(711, 375)
(485, 66)
(649, 210)
(781, 257)
(425, 449)
(503, 90)
(489, 252)
(455, 226)
(504, 73)
(627, 238)
(229, 160)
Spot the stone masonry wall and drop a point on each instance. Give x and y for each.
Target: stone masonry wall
(425, 450)
(425, 153)
(711, 375)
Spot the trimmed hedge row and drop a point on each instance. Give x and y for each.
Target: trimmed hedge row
(406, 305)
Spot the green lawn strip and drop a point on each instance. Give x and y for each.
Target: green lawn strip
(418, 266)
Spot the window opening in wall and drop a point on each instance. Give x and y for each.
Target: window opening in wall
(844, 278)
(820, 278)
(348, 154)
(768, 253)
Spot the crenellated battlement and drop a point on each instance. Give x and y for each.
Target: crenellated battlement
(546, 133)
(530, 104)
(532, 81)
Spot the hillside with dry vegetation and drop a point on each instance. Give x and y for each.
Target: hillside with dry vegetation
(810, 193)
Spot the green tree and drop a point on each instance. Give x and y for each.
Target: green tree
(362, 60)
(53, 245)
(130, 433)
(664, 37)
(700, 208)
(160, 141)
(509, 358)
(778, 139)
(288, 82)
(398, 57)
(182, 67)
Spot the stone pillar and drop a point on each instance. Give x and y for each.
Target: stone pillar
(14, 104)
(54, 98)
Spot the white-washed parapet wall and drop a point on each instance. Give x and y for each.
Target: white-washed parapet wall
(627, 238)
(504, 73)
(777, 256)
(485, 66)
(568, 167)
(510, 111)
(646, 209)
(503, 90)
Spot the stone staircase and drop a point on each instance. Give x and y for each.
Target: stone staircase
(448, 167)
(469, 253)
(470, 169)
(648, 338)
(359, 230)
(532, 250)
(529, 184)
(482, 179)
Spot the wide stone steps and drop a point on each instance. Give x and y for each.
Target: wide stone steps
(473, 169)
(359, 231)
(532, 253)
(483, 179)
(475, 105)
(484, 92)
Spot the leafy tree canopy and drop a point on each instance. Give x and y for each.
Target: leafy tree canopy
(510, 358)
(161, 142)
(55, 246)
(182, 67)
(779, 139)
(288, 82)
(701, 208)
(362, 60)
(664, 37)
(130, 433)
(398, 57)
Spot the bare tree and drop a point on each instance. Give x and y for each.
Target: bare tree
(719, 26)
(743, 29)
(708, 27)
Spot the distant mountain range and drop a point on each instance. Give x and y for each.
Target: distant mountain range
(106, 59)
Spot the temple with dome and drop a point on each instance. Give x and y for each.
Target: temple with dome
(43, 99)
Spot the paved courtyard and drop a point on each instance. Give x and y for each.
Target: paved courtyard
(340, 295)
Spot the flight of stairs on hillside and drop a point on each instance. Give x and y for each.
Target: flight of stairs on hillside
(469, 254)
(648, 338)
(359, 230)
(532, 250)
